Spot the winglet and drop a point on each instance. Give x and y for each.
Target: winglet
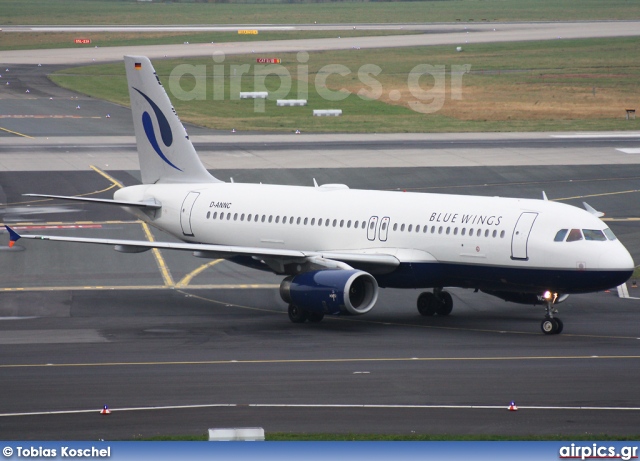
(13, 236)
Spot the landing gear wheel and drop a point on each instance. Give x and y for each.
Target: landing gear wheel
(296, 314)
(549, 326)
(445, 306)
(560, 325)
(427, 304)
(315, 317)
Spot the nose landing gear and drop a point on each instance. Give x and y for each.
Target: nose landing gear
(551, 325)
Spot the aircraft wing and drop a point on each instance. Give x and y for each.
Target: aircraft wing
(222, 251)
(148, 205)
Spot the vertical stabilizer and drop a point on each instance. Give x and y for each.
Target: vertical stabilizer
(165, 152)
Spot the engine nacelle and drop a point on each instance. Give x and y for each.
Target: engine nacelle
(331, 291)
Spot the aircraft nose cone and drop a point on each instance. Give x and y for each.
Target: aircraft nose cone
(619, 259)
(617, 264)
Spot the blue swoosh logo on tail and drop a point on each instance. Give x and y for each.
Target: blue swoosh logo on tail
(151, 136)
(165, 129)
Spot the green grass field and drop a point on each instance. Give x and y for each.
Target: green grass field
(98, 12)
(529, 86)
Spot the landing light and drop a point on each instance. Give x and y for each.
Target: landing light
(547, 295)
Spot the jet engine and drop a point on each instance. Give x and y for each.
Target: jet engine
(331, 291)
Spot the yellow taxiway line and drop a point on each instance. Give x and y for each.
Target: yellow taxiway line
(16, 133)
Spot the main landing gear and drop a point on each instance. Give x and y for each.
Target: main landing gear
(439, 302)
(551, 325)
(299, 315)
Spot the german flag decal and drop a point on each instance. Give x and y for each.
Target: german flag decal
(138, 66)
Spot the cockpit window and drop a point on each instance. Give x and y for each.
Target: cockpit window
(560, 235)
(609, 233)
(594, 234)
(574, 235)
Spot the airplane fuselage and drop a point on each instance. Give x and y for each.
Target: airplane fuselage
(490, 243)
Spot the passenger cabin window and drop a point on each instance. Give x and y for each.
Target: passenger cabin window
(562, 233)
(594, 234)
(574, 235)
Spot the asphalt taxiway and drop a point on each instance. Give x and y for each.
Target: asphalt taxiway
(186, 344)
(432, 34)
(175, 344)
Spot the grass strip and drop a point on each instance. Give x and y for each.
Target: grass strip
(566, 85)
(112, 12)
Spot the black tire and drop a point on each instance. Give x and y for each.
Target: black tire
(560, 325)
(315, 317)
(297, 315)
(445, 306)
(427, 304)
(549, 326)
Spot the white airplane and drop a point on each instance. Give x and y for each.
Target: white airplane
(337, 246)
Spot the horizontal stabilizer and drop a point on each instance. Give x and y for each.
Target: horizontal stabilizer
(147, 205)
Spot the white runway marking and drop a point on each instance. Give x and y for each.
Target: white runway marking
(596, 135)
(630, 150)
(322, 406)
